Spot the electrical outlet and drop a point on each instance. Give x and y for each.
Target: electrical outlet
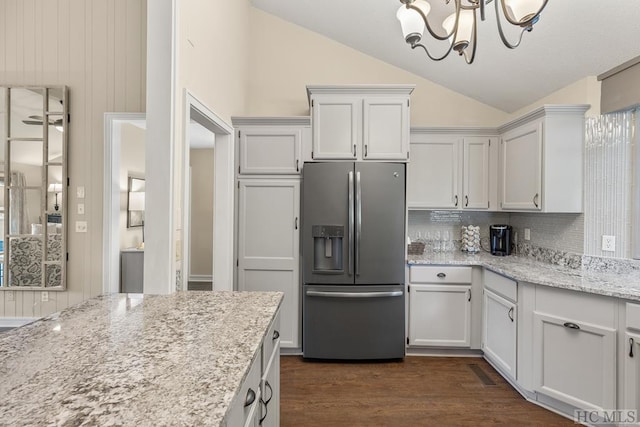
(609, 243)
(11, 296)
(81, 226)
(80, 208)
(527, 234)
(80, 192)
(44, 296)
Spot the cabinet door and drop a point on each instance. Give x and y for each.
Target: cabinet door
(521, 168)
(268, 245)
(574, 362)
(386, 128)
(336, 130)
(632, 372)
(440, 315)
(475, 173)
(270, 150)
(499, 331)
(270, 403)
(432, 176)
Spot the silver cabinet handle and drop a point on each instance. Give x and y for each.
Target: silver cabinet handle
(535, 200)
(354, 294)
(251, 397)
(358, 221)
(351, 223)
(466, 201)
(456, 196)
(441, 275)
(510, 313)
(571, 325)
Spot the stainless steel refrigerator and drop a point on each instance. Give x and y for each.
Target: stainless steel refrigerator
(353, 251)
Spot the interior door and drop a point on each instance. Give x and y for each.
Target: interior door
(380, 221)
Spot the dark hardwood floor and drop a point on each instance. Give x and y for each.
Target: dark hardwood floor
(419, 391)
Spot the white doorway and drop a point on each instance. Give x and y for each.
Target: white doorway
(223, 203)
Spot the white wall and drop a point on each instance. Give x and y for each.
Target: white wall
(131, 164)
(97, 49)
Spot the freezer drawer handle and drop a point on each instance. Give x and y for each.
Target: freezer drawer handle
(571, 325)
(441, 275)
(354, 294)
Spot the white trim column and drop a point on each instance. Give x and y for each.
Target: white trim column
(159, 257)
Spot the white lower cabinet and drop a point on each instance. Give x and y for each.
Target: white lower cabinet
(440, 311)
(499, 332)
(630, 375)
(258, 402)
(574, 342)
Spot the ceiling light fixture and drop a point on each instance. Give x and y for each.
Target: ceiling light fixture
(461, 26)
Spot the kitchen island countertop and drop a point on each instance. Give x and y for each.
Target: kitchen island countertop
(134, 360)
(621, 285)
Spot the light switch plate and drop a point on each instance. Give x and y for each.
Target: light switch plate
(81, 226)
(527, 234)
(80, 192)
(80, 208)
(609, 243)
(44, 296)
(11, 296)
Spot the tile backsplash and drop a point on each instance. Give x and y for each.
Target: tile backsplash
(452, 221)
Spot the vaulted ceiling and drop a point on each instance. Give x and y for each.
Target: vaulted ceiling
(572, 40)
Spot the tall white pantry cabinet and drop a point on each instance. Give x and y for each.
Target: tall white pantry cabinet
(269, 153)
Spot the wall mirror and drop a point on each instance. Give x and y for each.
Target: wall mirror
(33, 215)
(135, 202)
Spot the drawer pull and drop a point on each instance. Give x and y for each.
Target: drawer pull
(456, 205)
(571, 325)
(466, 201)
(276, 335)
(251, 397)
(510, 313)
(441, 275)
(535, 200)
(469, 299)
(266, 411)
(266, 383)
(631, 347)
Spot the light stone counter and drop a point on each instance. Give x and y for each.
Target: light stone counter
(131, 360)
(621, 284)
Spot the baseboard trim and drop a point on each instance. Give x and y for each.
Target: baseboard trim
(200, 278)
(14, 322)
(443, 352)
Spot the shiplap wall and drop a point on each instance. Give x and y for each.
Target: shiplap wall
(98, 49)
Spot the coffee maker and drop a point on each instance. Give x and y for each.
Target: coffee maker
(500, 237)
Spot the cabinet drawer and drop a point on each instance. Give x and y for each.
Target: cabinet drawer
(271, 340)
(633, 316)
(577, 306)
(501, 285)
(440, 274)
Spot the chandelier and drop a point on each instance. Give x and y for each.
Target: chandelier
(461, 26)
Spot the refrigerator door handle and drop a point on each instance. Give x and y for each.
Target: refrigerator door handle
(354, 294)
(351, 219)
(358, 221)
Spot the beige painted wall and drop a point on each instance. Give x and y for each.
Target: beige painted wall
(201, 241)
(584, 91)
(284, 58)
(97, 49)
(131, 164)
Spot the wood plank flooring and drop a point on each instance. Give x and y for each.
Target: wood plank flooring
(419, 391)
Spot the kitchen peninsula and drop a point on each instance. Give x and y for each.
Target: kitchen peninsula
(125, 359)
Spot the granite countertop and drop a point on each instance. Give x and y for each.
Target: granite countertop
(134, 360)
(526, 269)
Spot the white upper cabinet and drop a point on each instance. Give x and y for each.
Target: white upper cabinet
(360, 122)
(449, 171)
(270, 146)
(541, 160)
(432, 177)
